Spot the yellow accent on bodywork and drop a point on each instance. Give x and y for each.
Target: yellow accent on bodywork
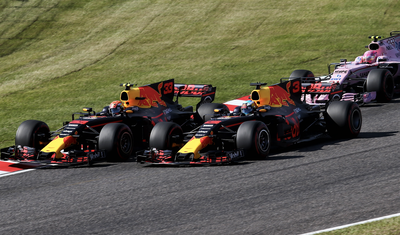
(195, 145)
(131, 94)
(58, 144)
(263, 94)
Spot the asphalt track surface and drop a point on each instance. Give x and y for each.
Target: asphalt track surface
(313, 186)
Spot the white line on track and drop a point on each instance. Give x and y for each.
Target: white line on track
(349, 225)
(2, 174)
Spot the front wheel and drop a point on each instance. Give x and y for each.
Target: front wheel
(306, 75)
(254, 138)
(116, 140)
(343, 119)
(166, 136)
(32, 133)
(206, 111)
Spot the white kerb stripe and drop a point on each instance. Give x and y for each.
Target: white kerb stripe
(349, 225)
(6, 173)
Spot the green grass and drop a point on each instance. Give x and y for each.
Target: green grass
(57, 56)
(383, 227)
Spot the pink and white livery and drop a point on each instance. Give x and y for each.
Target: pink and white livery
(374, 76)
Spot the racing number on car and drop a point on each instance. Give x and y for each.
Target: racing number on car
(290, 129)
(296, 127)
(296, 86)
(168, 88)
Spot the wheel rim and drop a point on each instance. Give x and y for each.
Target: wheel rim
(125, 143)
(263, 143)
(356, 119)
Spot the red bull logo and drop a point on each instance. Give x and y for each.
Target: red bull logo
(205, 141)
(280, 96)
(151, 97)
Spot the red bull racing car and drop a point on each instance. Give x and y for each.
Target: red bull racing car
(375, 76)
(273, 116)
(116, 132)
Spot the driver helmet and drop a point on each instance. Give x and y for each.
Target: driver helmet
(116, 108)
(248, 107)
(370, 57)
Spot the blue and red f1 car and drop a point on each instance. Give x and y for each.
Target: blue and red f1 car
(115, 133)
(273, 116)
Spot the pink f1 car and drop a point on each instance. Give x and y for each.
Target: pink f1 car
(374, 76)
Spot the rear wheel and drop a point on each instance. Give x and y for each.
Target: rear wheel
(254, 138)
(343, 119)
(32, 133)
(206, 111)
(166, 136)
(116, 140)
(381, 81)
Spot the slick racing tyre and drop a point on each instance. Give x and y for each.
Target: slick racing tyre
(381, 81)
(116, 140)
(166, 136)
(343, 119)
(206, 111)
(32, 133)
(301, 73)
(254, 138)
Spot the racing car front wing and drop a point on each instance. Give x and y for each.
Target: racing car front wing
(166, 157)
(74, 157)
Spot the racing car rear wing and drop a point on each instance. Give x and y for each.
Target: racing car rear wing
(394, 33)
(314, 86)
(205, 92)
(164, 92)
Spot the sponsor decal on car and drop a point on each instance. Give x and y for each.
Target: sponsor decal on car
(235, 154)
(96, 155)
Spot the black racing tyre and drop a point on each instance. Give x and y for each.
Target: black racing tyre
(381, 81)
(307, 75)
(254, 138)
(343, 119)
(32, 133)
(116, 140)
(166, 136)
(206, 111)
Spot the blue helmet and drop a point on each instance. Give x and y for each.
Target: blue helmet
(248, 107)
